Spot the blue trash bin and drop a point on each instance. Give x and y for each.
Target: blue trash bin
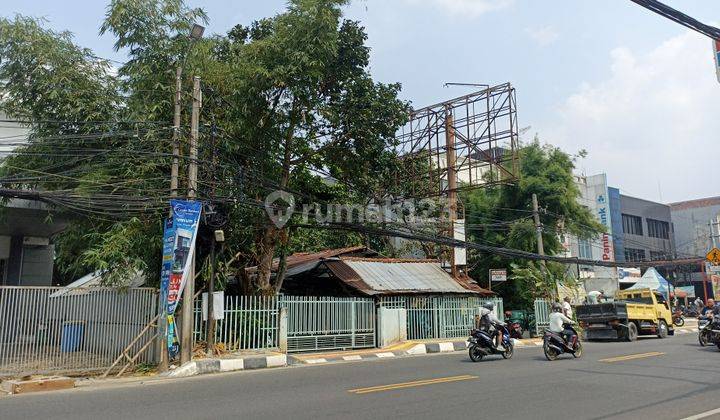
(72, 336)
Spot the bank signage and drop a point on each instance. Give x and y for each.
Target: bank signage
(603, 209)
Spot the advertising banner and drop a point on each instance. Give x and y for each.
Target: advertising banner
(178, 250)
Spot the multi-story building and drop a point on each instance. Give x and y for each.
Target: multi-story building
(26, 249)
(697, 230)
(636, 230)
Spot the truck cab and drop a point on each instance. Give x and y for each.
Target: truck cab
(634, 312)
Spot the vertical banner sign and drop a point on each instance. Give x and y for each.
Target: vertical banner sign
(178, 249)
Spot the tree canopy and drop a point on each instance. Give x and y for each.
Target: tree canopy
(288, 101)
(502, 216)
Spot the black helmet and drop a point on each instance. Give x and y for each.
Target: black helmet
(556, 307)
(489, 306)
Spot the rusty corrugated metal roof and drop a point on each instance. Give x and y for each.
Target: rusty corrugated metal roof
(387, 276)
(302, 258)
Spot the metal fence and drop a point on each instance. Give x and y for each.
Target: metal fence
(250, 323)
(430, 317)
(542, 315)
(50, 329)
(328, 323)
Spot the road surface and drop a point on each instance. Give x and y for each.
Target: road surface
(649, 379)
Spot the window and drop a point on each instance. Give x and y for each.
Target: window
(658, 229)
(658, 255)
(584, 249)
(638, 298)
(632, 254)
(632, 224)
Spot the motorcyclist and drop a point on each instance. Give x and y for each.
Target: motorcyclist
(709, 309)
(489, 321)
(558, 322)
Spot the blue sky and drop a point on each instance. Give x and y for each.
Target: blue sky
(636, 91)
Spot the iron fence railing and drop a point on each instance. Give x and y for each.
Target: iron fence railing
(250, 323)
(326, 323)
(50, 329)
(433, 317)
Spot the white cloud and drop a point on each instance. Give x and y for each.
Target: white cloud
(655, 119)
(465, 8)
(545, 35)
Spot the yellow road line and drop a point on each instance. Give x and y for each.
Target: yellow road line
(402, 385)
(631, 357)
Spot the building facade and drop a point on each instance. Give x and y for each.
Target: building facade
(26, 250)
(636, 230)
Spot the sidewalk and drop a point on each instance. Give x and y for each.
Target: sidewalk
(409, 348)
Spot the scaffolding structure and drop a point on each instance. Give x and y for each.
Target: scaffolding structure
(475, 136)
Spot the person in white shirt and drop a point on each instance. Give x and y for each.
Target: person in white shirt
(489, 319)
(558, 321)
(567, 307)
(595, 296)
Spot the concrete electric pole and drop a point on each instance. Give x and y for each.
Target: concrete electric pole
(189, 292)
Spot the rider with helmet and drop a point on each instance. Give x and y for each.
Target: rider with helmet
(489, 321)
(558, 320)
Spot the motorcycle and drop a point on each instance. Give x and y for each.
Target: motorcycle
(554, 344)
(690, 312)
(709, 331)
(514, 326)
(678, 318)
(482, 343)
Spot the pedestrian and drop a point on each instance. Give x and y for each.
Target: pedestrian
(698, 304)
(567, 307)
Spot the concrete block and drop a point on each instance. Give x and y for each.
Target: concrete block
(229, 365)
(38, 385)
(255, 362)
(276, 360)
(446, 347)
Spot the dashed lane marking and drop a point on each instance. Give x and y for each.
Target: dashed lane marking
(631, 357)
(424, 382)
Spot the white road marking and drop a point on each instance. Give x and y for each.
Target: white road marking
(313, 361)
(382, 355)
(354, 357)
(703, 415)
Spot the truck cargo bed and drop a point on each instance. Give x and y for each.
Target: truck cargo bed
(602, 312)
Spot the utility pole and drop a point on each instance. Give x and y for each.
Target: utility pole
(538, 233)
(538, 228)
(210, 326)
(174, 170)
(174, 175)
(452, 182)
(189, 293)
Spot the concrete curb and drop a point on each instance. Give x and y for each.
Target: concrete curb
(207, 366)
(419, 348)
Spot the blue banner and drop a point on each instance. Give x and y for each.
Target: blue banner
(179, 238)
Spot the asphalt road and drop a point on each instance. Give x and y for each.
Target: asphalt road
(660, 379)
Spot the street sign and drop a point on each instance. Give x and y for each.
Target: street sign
(498, 275)
(716, 56)
(713, 256)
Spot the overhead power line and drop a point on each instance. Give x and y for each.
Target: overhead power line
(679, 17)
(507, 252)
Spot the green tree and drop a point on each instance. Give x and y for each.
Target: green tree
(502, 216)
(287, 100)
